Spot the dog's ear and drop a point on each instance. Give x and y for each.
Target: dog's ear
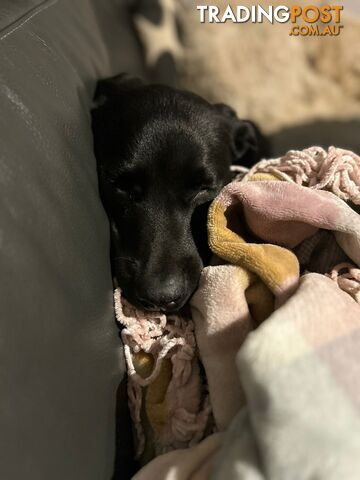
(110, 87)
(105, 115)
(248, 144)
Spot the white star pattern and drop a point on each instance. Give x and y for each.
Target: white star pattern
(162, 38)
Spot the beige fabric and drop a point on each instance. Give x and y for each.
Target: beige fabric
(268, 76)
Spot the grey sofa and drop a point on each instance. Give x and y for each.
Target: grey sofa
(60, 355)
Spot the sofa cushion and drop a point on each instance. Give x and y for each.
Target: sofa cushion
(61, 359)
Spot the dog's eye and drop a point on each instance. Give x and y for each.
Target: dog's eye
(205, 188)
(203, 191)
(126, 187)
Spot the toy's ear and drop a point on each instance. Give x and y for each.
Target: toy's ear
(113, 86)
(247, 142)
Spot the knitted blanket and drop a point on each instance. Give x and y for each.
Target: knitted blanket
(279, 346)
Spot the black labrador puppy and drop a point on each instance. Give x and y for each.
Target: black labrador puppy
(163, 155)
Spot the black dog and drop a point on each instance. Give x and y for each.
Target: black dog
(163, 155)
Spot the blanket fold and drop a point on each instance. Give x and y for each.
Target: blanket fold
(300, 373)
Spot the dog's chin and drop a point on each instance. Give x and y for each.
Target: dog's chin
(134, 300)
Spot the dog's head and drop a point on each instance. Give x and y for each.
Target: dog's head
(163, 155)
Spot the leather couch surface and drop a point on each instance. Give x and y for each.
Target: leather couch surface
(60, 354)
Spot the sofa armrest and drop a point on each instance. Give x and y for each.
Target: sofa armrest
(61, 358)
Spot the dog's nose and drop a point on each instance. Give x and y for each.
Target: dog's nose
(168, 297)
(171, 306)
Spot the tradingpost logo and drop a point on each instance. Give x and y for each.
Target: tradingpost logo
(308, 20)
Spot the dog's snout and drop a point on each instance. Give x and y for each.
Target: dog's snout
(161, 306)
(168, 295)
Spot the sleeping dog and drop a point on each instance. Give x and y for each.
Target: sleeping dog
(163, 155)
